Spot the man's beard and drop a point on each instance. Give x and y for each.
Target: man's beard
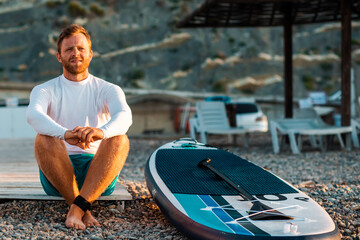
(76, 69)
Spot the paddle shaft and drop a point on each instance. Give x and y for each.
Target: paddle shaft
(258, 211)
(245, 194)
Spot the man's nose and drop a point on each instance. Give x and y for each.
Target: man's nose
(76, 52)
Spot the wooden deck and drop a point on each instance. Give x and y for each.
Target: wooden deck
(19, 174)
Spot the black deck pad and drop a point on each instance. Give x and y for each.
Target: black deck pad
(178, 169)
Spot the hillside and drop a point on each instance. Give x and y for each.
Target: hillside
(137, 45)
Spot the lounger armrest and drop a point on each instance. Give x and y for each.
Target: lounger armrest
(274, 136)
(194, 127)
(354, 134)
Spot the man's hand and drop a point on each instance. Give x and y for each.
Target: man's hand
(88, 135)
(83, 136)
(73, 139)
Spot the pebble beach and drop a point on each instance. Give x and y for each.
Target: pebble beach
(331, 178)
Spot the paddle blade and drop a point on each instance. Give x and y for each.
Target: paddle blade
(260, 211)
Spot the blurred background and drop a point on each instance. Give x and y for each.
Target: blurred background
(137, 45)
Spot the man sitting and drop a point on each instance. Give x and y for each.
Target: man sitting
(81, 121)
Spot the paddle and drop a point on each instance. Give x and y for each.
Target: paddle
(258, 211)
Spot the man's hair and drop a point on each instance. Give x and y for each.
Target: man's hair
(71, 30)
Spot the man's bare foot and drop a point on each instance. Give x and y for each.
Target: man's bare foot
(89, 220)
(74, 218)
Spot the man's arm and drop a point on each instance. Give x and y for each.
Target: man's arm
(120, 112)
(36, 114)
(43, 124)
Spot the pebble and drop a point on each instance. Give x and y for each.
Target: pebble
(332, 179)
(96, 238)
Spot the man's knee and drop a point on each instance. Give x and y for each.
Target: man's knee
(48, 143)
(123, 139)
(118, 142)
(44, 140)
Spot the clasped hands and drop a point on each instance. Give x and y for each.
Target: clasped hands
(83, 136)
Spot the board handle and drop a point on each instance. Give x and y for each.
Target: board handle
(186, 140)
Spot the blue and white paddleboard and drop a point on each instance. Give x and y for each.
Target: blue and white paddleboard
(243, 201)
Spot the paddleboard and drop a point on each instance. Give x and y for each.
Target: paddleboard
(209, 193)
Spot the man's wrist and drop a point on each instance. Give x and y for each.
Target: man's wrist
(103, 133)
(63, 137)
(66, 134)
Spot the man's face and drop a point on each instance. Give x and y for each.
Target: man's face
(75, 54)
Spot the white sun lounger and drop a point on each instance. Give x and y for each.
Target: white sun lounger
(212, 119)
(305, 126)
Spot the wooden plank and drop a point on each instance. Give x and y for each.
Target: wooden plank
(43, 196)
(20, 186)
(20, 180)
(27, 186)
(34, 191)
(19, 177)
(18, 168)
(18, 174)
(30, 197)
(13, 184)
(21, 191)
(6, 180)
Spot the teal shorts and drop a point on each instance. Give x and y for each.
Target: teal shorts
(81, 164)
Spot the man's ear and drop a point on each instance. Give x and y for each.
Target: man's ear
(58, 56)
(91, 54)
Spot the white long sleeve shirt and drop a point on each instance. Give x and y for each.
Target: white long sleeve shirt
(59, 105)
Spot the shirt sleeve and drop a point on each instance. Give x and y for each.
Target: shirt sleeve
(37, 117)
(120, 112)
